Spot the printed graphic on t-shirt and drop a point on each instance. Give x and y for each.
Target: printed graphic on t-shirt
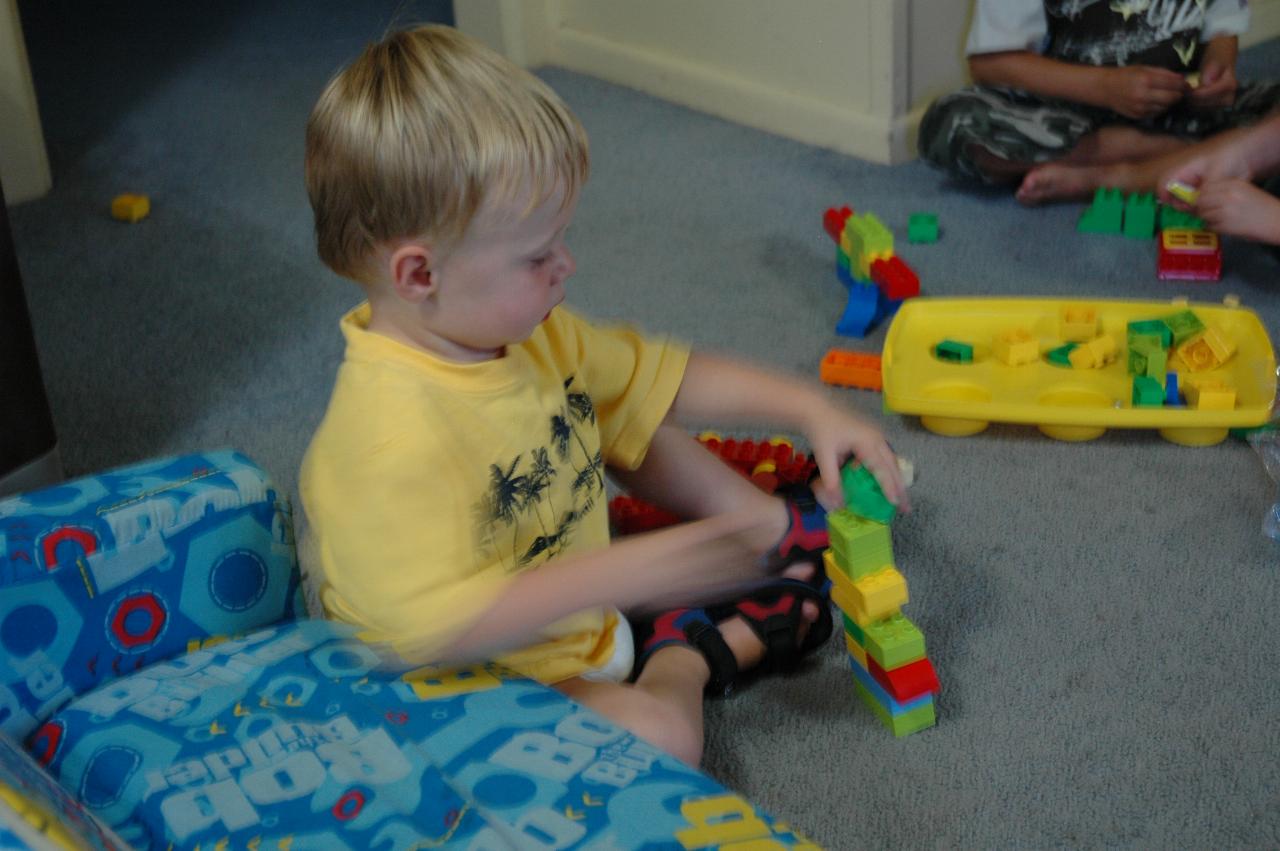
(536, 499)
(1161, 33)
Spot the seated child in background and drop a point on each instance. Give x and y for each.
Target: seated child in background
(1076, 94)
(454, 493)
(1223, 170)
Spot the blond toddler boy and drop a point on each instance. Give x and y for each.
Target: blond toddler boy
(454, 493)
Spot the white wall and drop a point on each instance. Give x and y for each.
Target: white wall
(24, 165)
(851, 75)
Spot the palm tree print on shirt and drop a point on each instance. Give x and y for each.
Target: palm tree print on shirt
(523, 491)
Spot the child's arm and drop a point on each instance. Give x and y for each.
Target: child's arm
(680, 565)
(1217, 87)
(1134, 91)
(719, 389)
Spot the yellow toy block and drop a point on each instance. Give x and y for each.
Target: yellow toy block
(1016, 347)
(1208, 351)
(855, 650)
(882, 594)
(1189, 240)
(1183, 192)
(130, 208)
(1094, 354)
(871, 598)
(1210, 394)
(1078, 324)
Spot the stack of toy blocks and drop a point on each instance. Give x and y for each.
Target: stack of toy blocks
(891, 673)
(878, 281)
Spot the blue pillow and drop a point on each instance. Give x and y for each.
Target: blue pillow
(108, 574)
(292, 737)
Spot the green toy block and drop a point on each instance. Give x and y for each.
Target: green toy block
(851, 627)
(1061, 356)
(1105, 214)
(868, 236)
(1173, 218)
(905, 724)
(1140, 216)
(922, 227)
(863, 496)
(1151, 328)
(861, 546)
(1183, 325)
(1147, 392)
(1157, 365)
(1138, 360)
(955, 352)
(843, 261)
(893, 642)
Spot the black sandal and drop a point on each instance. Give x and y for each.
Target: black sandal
(691, 627)
(774, 614)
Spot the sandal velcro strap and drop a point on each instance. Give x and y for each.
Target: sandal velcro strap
(724, 667)
(692, 628)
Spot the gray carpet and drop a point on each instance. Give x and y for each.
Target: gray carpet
(1102, 615)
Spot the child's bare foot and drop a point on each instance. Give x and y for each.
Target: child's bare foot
(1066, 182)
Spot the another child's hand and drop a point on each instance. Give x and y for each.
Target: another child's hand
(835, 435)
(1217, 89)
(1224, 163)
(1141, 91)
(1239, 208)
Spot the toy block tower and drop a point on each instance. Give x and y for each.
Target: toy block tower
(891, 673)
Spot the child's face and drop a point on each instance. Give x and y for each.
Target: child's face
(503, 279)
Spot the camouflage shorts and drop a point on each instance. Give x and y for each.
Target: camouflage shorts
(1021, 127)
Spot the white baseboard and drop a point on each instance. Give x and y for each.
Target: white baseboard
(795, 116)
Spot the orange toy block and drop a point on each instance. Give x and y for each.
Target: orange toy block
(844, 368)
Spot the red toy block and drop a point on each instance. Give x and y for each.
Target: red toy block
(1189, 255)
(907, 682)
(630, 516)
(895, 278)
(833, 221)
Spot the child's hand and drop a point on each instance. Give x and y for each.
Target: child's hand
(1239, 208)
(1224, 163)
(834, 436)
(1217, 89)
(1141, 91)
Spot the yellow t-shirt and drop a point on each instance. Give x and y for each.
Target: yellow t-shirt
(430, 484)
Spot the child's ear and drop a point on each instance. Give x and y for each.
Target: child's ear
(411, 274)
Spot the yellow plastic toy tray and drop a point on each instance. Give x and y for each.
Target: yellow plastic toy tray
(959, 399)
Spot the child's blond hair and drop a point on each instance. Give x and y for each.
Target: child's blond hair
(420, 130)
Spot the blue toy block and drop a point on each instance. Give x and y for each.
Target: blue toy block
(844, 275)
(860, 312)
(885, 306)
(1171, 394)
